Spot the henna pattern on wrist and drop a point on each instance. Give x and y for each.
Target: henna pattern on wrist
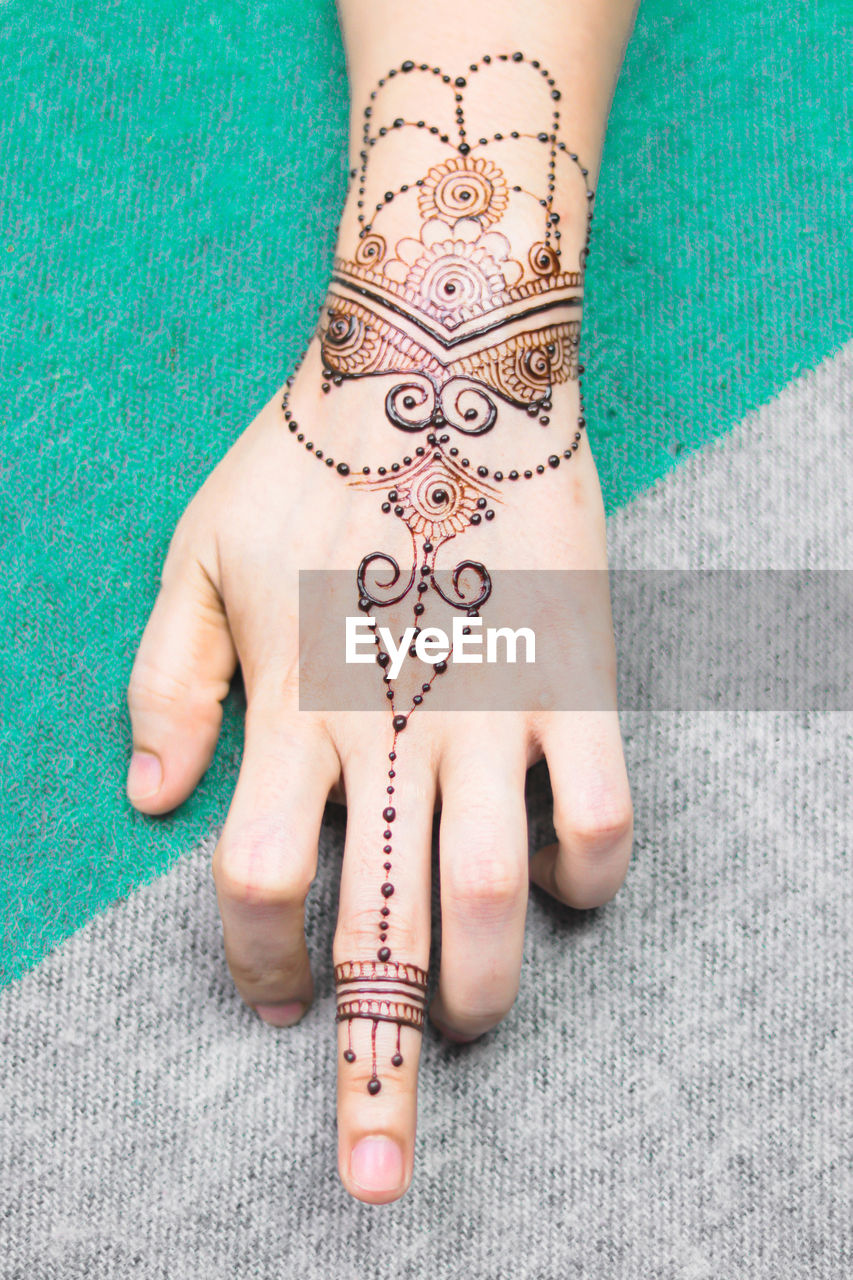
(472, 332)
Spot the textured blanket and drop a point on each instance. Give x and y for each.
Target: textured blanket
(670, 1097)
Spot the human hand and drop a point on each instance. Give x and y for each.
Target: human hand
(490, 468)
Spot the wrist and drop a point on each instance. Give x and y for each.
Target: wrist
(457, 291)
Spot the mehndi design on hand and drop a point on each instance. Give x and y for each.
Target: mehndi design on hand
(470, 331)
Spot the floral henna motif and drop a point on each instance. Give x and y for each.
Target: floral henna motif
(453, 272)
(471, 331)
(435, 498)
(464, 187)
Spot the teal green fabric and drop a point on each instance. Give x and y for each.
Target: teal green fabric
(171, 179)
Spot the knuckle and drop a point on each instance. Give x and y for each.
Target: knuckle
(168, 696)
(261, 975)
(250, 871)
(476, 1007)
(357, 937)
(589, 887)
(484, 884)
(151, 687)
(598, 824)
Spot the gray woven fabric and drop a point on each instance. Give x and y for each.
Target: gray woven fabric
(670, 1097)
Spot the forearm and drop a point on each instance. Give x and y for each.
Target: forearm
(580, 43)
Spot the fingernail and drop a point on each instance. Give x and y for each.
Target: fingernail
(376, 1164)
(280, 1015)
(144, 775)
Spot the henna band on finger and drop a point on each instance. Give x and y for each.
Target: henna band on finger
(380, 991)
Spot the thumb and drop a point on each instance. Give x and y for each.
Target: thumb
(180, 675)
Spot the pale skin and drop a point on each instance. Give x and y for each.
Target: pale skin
(229, 595)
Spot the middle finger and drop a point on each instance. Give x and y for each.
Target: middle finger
(381, 954)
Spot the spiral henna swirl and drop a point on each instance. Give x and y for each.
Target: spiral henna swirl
(454, 280)
(410, 406)
(350, 345)
(462, 601)
(468, 407)
(525, 368)
(354, 341)
(371, 250)
(437, 504)
(543, 259)
(464, 188)
(365, 594)
(434, 497)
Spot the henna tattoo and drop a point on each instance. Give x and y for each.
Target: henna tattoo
(382, 992)
(470, 328)
(443, 307)
(434, 496)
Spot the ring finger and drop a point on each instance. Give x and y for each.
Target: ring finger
(484, 878)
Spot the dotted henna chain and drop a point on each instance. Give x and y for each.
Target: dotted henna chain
(346, 470)
(465, 328)
(460, 83)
